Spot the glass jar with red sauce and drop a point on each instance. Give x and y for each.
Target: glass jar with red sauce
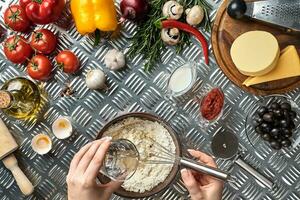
(211, 106)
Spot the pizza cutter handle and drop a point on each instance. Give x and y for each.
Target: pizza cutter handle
(215, 172)
(254, 173)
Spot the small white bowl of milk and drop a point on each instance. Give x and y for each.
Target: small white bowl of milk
(182, 79)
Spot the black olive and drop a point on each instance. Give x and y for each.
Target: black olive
(266, 136)
(259, 130)
(262, 110)
(279, 138)
(268, 117)
(275, 106)
(284, 123)
(236, 9)
(278, 113)
(286, 106)
(292, 125)
(286, 143)
(293, 114)
(276, 123)
(266, 127)
(275, 132)
(286, 132)
(275, 144)
(286, 113)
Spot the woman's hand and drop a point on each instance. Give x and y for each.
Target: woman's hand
(201, 186)
(83, 172)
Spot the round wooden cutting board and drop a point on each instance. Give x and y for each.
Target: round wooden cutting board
(226, 30)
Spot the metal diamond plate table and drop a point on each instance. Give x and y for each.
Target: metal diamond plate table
(135, 90)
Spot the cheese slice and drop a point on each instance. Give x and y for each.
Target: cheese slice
(288, 66)
(255, 53)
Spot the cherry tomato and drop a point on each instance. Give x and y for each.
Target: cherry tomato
(16, 49)
(43, 41)
(15, 17)
(68, 61)
(39, 67)
(43, 11)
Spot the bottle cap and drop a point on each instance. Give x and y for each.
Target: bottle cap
(5, 99)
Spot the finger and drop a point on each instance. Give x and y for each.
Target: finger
(87, 157)
(96, 163)
(191, 184)
(77, 157)
(206, 159)
(109, 188)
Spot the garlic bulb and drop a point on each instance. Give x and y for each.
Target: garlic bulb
(114, 59)
(172, 10)
(170, 36)
(95, 79)
(194, 15)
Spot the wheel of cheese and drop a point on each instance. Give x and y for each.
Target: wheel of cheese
(255, 53)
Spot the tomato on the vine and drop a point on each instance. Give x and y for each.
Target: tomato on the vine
(43, 41)
(15, 17)
(39, 67)
(68, 61)
(16, 49)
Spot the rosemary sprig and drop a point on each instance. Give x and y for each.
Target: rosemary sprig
(147, 41)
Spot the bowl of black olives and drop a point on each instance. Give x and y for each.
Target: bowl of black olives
(272, 122)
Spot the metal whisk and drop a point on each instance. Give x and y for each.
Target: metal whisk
(161, 155)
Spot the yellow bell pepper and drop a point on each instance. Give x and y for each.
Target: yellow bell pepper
(90, 15)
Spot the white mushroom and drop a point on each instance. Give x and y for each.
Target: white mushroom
(170, 36)
(194, 15)
(114, 59)
(172, 10)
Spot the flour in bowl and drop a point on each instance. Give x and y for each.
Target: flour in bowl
(138, 131)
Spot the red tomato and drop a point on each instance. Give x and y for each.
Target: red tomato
(43, 11)
(43, 41)
(39, 67)
(16, 49)
(68, 61)
(15, 17)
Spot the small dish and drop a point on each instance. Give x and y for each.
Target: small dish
(254, 138)
(182, 80)
(205, 121)
(62, 127)
(41, 144)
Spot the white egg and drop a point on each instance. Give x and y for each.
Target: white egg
(41, 144)
(62, 128)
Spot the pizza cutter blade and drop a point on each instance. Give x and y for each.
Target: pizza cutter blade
(225, 145)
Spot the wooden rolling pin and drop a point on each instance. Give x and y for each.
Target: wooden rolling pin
(7, 146)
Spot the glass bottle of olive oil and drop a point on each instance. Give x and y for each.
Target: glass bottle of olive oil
(22, 99)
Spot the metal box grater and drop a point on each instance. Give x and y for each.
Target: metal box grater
(283, 13)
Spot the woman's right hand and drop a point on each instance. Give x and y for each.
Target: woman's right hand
(202, 186)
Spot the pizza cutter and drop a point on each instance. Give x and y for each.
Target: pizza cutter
(225, 145)
(284, 14)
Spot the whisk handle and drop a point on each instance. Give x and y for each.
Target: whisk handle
(217, 173)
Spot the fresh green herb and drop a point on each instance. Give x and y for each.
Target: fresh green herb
(147, 41)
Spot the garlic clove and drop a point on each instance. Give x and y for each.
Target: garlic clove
(62, 127)
(95, 79)
(114, 59)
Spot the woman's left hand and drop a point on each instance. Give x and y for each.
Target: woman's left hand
(83, 172)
